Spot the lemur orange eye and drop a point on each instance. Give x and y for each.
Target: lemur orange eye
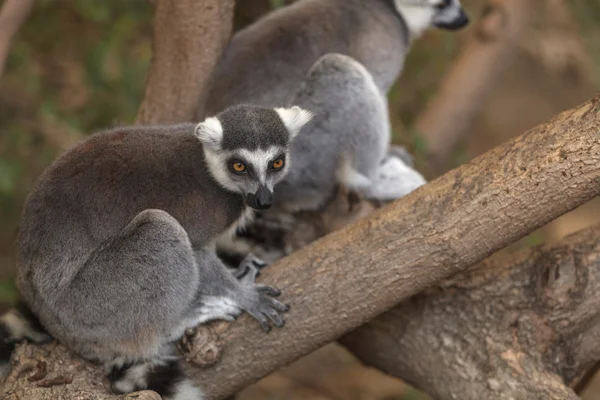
(278, 163)
(238, 167)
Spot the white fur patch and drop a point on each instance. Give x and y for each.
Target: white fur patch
(20, 328)
(186, 391)
(245, 218)
(394, 180)
(216, 307)
(350, 177)
(210, 132)
(217, 168)
(134, 377)
(418, 17)
(294, 118)
(260, 159)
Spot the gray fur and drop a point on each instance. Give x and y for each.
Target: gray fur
(266, 62)
(253, 128)
(341, 93)
(116, 240)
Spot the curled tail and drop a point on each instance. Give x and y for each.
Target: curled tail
(164, 376)
(16, 325)
(350, 177)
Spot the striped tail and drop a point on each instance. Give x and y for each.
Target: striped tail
(16, 325)
(164, 376)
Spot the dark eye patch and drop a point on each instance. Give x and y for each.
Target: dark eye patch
(444, 4)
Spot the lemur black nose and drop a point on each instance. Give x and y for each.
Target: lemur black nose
(262, 199)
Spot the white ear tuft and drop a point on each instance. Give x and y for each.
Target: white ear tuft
(294, 118)
(210, 132)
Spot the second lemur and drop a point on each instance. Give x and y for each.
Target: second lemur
(266, 62)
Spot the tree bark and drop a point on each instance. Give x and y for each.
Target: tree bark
(465, 88)
(12, 16)
(51, 372)
(513, 328)
(189, 36)
(344, 280)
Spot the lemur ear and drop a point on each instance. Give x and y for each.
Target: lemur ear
(210, 132)
(294, 118)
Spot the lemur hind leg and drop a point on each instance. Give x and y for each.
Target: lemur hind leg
(126, 300)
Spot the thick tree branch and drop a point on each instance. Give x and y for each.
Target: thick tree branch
(189, 36)
(12, 15)
(345, 279)
(473, 76)
(342, 281)
(515, 327)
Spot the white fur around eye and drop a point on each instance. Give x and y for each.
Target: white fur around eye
(260, 159)
(294, 118)
(210, 132)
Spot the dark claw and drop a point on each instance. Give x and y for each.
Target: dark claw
(276, 305)
(266, 326)
(269, 290)
(276, 318)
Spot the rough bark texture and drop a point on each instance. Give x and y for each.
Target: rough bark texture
(52, 372)
(473, 76)
(189, 36)
(514, 328)
(12, 15)
(344, 280)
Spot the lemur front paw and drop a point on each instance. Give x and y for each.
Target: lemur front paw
(265, 308)
(249, 269)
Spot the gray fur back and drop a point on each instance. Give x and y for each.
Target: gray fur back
(350, 124)
(266, 62)
(89, 194)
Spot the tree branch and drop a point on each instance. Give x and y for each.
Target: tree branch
(514, 327)
(189, 36)
(349, 277)
(473, 76)
(345, 279)
(12, 15)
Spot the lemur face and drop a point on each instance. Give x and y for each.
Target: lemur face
(422, 14)
(247, 148)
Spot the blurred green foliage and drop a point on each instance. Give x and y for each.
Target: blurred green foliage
(76, 67)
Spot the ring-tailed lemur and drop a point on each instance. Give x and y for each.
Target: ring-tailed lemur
(347, 142)
(266, 62)
(116, 242)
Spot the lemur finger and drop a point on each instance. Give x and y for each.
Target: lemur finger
(262, 320)
(275, 317)
(269, 290)
(276, 304)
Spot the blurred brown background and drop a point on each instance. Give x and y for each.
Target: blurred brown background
(79, 65)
